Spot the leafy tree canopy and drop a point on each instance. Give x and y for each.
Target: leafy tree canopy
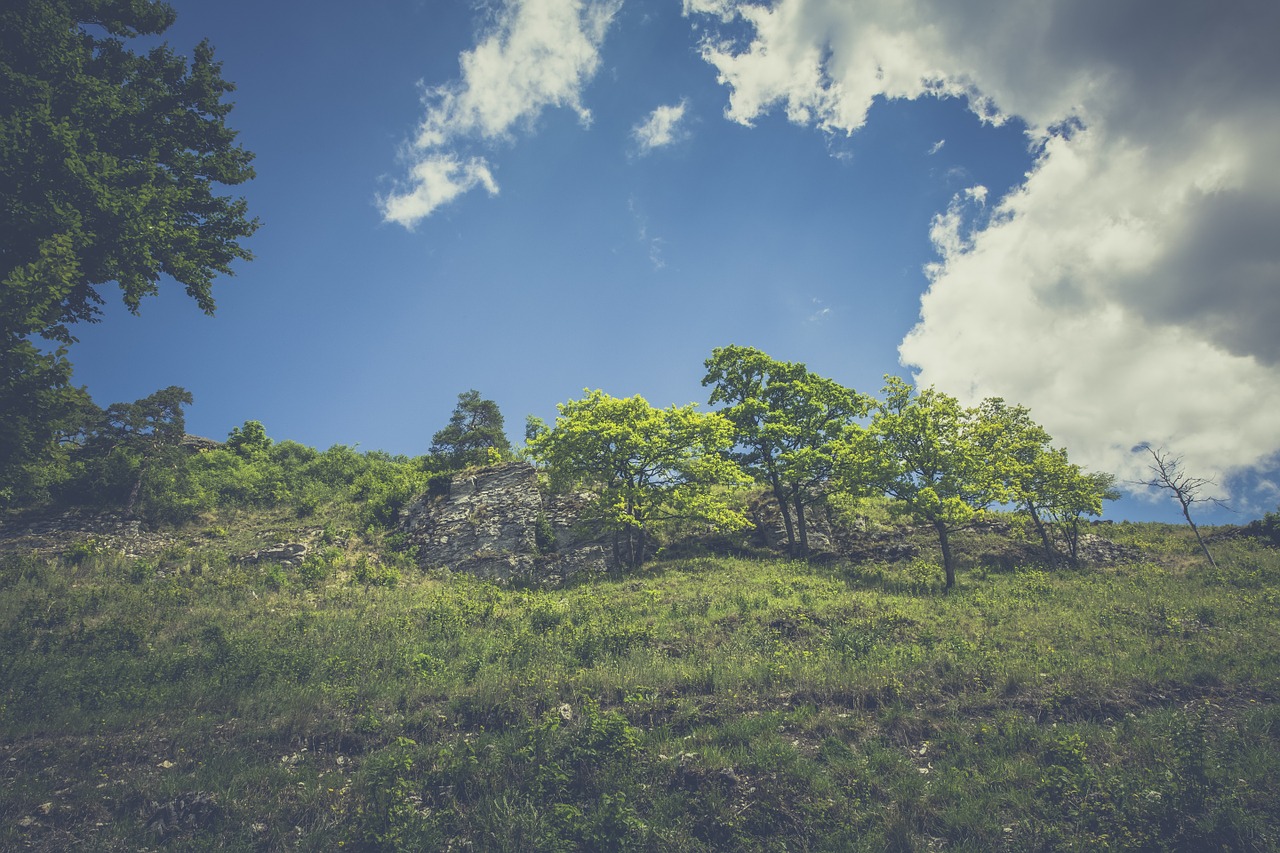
(787, 421)
(475, 435)
(39, 408)
(249, 440)
(1037, 478)
(648, 465)
(925, 449)
(109, 164)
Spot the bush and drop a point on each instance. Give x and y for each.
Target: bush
(374, 573)
(386, 488)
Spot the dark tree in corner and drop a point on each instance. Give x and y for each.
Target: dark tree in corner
(475, 434)
(110, 166)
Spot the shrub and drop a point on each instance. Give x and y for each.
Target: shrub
(374, 573)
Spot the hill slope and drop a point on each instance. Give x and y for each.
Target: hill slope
(185, 698)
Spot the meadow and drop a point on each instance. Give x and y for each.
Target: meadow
(712, 703)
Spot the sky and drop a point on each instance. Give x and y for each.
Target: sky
(1070, 204)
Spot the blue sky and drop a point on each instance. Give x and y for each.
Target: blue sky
(1068, 206)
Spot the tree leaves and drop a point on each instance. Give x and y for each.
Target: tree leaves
(647, 465)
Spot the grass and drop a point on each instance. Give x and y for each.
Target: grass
(702, 704)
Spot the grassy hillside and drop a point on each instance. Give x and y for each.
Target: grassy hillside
(186, 701)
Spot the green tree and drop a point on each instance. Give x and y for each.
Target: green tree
(925, 449)
(475, 434)
(1040, 480)
(1078, 494)
(647, 465)
(110, 164)
(787, 422)
(132, 439)
(249, 440)
(41, 414)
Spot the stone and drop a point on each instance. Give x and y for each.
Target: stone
(487, 524)
(284, 553)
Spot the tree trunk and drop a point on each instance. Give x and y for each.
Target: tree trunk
(133, 492)
(1073, 541)
(1196, 530)
(800, 525)
(1049, 552)
(948, 562)
(785, 509)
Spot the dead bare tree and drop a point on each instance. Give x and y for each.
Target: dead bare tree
(1167, 474)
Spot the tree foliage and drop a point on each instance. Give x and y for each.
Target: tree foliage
(787, 422)
(948, 464)
(130, 439)
(476, 434)
(647, 465)
(249, 440)
(1039, 479)
(109, 164)
(39, 410)
(110, 167)
(925, 449)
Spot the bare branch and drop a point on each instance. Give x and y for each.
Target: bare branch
(1168, 474)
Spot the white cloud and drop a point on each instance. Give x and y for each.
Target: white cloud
(654, 244)
(1129, 289)
(661, 128)
(437, 180)
(936, 147)
(539, 55)
(821, 312)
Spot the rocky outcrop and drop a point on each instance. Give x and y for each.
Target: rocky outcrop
(1095, 550)
(770, 531)
(284, 553)
(495, 523)
(56, 532)
(198, 443)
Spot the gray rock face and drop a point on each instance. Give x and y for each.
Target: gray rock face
(55, 533)
(488, 525)
(284, 553)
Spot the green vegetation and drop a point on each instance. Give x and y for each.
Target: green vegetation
(648, 466)
(699, 704)
(788, 423)
(474, 435)
(947, 464)
(110, 167)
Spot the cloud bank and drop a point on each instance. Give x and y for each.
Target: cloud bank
(540, 54)
(1129, 289)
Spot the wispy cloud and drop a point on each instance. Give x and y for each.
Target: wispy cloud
(820, 311)
(936, 147)
(1129, 289)
(663, 127)
(652, 243)
(540, 54)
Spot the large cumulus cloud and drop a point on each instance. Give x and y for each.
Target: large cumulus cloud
(1129, 289)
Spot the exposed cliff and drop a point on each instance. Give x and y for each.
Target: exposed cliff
(495, 522)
